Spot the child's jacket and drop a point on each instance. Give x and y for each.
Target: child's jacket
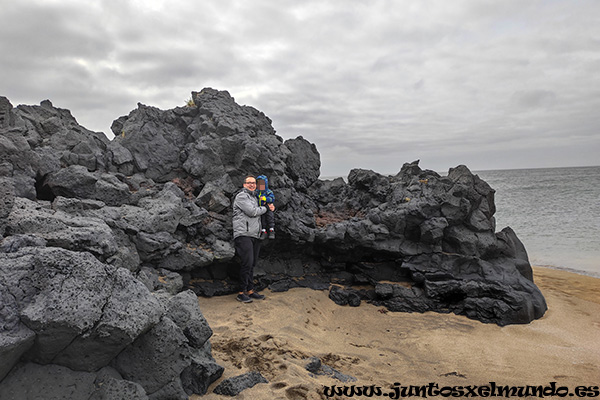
(265, 196)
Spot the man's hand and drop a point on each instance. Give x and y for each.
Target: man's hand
(271, 206)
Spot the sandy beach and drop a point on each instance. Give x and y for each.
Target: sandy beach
(277, 336)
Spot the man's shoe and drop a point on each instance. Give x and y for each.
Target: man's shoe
(244, 298)
(256, 296)
(272, 235)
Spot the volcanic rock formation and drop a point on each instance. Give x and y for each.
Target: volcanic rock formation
(103, 238)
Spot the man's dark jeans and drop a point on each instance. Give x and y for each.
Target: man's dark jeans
(248, 249)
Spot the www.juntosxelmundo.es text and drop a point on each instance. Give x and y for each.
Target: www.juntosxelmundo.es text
(399, 391)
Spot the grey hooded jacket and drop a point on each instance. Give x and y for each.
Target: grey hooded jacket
(246, 214)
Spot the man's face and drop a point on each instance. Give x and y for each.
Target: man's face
(250, 184)
(260, 184)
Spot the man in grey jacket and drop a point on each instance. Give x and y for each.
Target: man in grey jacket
(246, 236)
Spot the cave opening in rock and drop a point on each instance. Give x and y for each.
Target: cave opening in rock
(43, 191)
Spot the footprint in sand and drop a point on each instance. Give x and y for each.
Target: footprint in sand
(244, 319)
(264, 338)
(281, 367)
(279, 385)
(297, 392)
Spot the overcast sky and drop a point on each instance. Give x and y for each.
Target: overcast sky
(374, 84)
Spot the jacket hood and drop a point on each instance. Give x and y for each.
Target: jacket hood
(264, 178)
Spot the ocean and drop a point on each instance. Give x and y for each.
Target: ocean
(554, 211)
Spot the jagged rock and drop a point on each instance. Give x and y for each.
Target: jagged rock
(316, 367)
(13, 243)
(156, 280)
(165, 211)
(34, 381)
(59, 229)
(344, 297)
(174, 390)
(174, 357)
(74, 181)
(199, 376)
(237, 384)
(400, 298)
(15, 337)
(152, 245)
(111, 310)
(5, 114)
(184, 311)
(55, 128)
(487, 291)
(514, 251)
(212, 198)
(154, 142)
(120, 159)
(69, 309)
(117, 389)
(313, 365)
(156, 358)
(7, 200)
(156, 201)
(74, 206)
(303, 164)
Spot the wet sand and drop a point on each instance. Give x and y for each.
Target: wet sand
(276, 336)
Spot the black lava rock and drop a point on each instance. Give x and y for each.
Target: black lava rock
(316, 367)
(98, 235)
(237, 384)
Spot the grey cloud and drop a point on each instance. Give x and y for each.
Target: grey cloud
(371, 83)
(526, 99)
(42, 31)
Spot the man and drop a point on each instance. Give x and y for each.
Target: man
(246, 236)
